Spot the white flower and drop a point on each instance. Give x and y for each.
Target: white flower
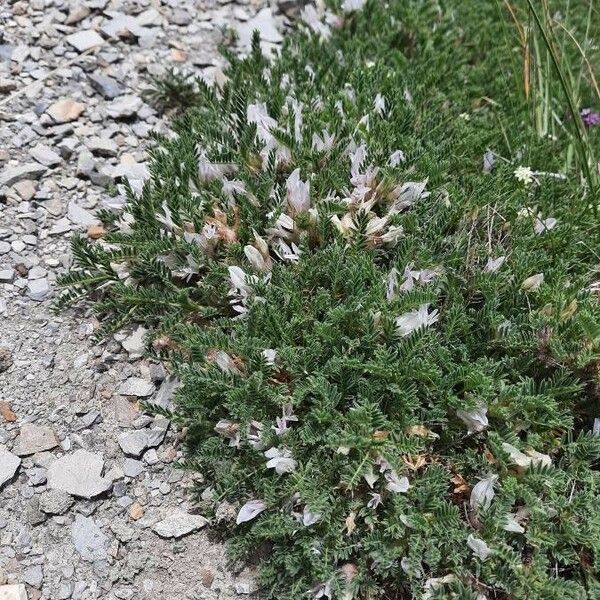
(233, 186)
(475, 420)
(398, 485)
(489, 160)
(392, 235)
(542, 225)
(396, 158)
(209, 171)
(223, 361)
(375, 501)
(250, 511)
(379, 105)
(256, 259)
(511, 524)
(323, 591)
(524, 175)
(237, 279)
(281, 460)
(255, 433)
(413, 276)
(283, 227)
(167, 218)
(408, 193)
(391, 285)
(533, 283)
(526, 459)
(310, 518)
(479, 547)
(257, 113)
(352, 5)
(357, 158)
(493, 264)
(230, 430)
(282, 423)
(269, 355)
(371, 478)
(323, 142)
(483, 493)
(286, 251)
(298, 198)
(411, 321)
(435, 583)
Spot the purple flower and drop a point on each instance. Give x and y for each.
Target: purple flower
(589, 117)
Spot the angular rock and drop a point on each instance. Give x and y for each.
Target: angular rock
(178, 524)
(65, 110)
(84, 40)
(166, 391)
(6, 358)
(107, 86)
(33, 576)
(55, 502)
(9, 465)
(12, 175)
(7, 85)
(266, 25)
(132, 467)
(79, 474)
(134, 343)
(38, 289)
(15, 591)
(34, 438)
(88, 539)
(102, 146)
(45, 155)
(136, 386)
(157, 431)
(80, 215)
(124, 107)
(133, 443)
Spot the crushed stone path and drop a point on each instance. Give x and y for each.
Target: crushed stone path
(91, 504)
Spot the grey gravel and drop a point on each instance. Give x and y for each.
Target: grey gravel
(80, 514)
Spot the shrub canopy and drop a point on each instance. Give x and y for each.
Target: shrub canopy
(378, 291)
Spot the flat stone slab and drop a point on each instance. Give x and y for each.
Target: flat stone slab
(85, 39)
(79, 474)
(65, 110)
(136, 386)
(88, 539)
(178, 524)
(9, 465)
(11, 175)
(14, 591)
(34, 438)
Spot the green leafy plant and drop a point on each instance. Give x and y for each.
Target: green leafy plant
(380, 294)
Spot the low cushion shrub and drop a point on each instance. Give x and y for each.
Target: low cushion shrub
(384, 321)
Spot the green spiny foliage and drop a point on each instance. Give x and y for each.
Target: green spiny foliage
(413, 340)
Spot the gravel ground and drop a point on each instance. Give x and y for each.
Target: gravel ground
(91, 505)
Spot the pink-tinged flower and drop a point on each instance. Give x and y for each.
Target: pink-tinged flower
(298, 197)
(281, 460)
(250, 511)
(589, 117)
